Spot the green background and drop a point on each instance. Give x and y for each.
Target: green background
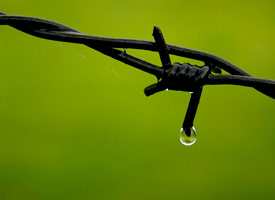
(75, 124)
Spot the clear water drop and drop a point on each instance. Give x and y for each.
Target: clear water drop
(188, 140)
(166, 89)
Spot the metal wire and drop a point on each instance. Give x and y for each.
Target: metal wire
(175, 76)
(55, 31)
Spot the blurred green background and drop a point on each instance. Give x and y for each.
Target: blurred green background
(75, 124)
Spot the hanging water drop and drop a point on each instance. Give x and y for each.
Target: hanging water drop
(188, 140)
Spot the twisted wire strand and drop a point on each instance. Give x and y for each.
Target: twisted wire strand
(55, 31)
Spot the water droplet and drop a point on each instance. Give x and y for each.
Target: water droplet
(188, 140)
(166, 89)
(124, 52)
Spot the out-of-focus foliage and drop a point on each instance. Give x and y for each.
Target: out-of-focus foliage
(75, 124)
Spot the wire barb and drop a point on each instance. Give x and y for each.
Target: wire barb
(163, 49)
(183, 77)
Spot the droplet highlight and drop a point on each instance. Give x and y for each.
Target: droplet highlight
(188, 140)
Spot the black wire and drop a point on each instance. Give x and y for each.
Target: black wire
(55, 31)
(184, 77)
(191, 111)
(240, 80)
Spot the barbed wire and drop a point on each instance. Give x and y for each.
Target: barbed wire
(183, 77)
